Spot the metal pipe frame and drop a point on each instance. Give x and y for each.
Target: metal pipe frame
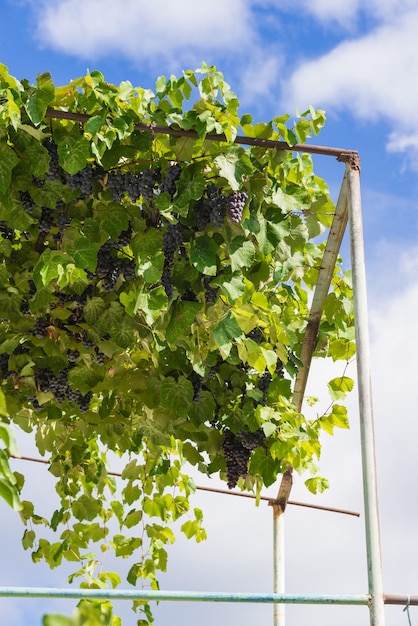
(201, 596)
(374, 565)
(181, 596)
(376, 598)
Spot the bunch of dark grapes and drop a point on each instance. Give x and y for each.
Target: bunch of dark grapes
(26, 200)
(58, 385)
(82, 180)
(169, 181)
(54, 168)
(104, 260)
(83, 401)
(7, 232)
(211, 293)
(117, 184)
(202, 214)
(189, 296)
(4, 364)
(72, 356)
(217, 204)
(166, 282)
(196, 381)
(46, 220)
(125, 237)
(24, 307)
(108, 266)
(63, 221)
(236, 457)
(264, 384)
(41, 324)
(133, 185)
(45, 380)
(148, 183)
(172, 239)
(236, 204)
(113, 275)
(256, 334)
(100, 356)
(129, 270)
(279, 369)
(251, 440)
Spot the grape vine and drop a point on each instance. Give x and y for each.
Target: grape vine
(154, 299)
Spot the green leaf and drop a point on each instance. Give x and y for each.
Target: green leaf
(241, 252)
(8, 160)
(5, 468)
(83, 378)
(40, 98)
(86, 508)
(113, 218)
(73, 153)
(317, 484)
(262, 464)
(182, 317)
(177, 395)
(340, 386)
(203, 255)
(226, 330)
(93, 309)
(233, 166)
(193, 190)
(10, 494)
(232, 286)
(84, 253)
(7, 433)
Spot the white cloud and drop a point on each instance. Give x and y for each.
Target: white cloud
(346, 13)
(370, 77)
(139, 30)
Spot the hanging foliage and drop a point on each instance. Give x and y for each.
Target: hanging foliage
(154, 293)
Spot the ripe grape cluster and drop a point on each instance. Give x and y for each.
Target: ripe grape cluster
(27, 201)
(236, 204)
(46, 380)
(4, 364)
(168, 183)
(211, 293)
(237, 450)
(256, 334)
(197, 382)
(135, 185)
(213, 207)
(46, 220)
(82, 180)
(39, 329)
(54, 168)
(7, 232)
(172, 239)
(110, 267)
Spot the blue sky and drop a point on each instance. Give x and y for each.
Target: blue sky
(357, 60)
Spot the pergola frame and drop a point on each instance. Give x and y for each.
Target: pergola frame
(348, 210)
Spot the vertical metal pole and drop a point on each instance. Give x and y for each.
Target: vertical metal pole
(377, 617)
(279, 507)
(278, 574)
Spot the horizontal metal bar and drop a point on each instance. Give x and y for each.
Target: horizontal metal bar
(275, 501)
(222, 491)
(400, 600)
(181, 596)
(342, 154)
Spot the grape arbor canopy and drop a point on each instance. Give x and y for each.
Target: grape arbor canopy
(154, 300)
